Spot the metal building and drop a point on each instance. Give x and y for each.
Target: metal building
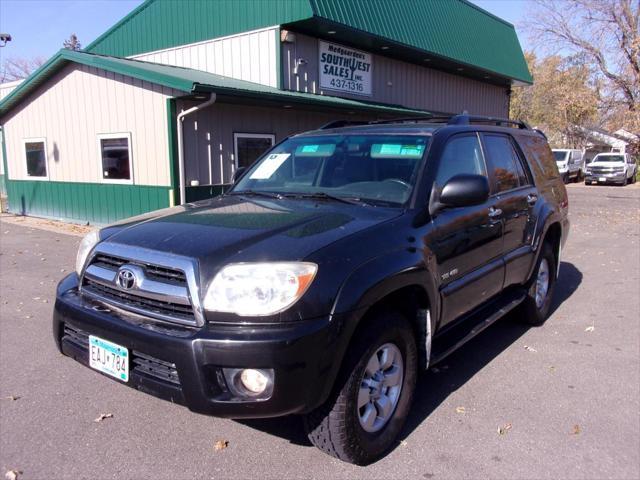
(171, 100)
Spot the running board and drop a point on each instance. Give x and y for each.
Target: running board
(468, 329)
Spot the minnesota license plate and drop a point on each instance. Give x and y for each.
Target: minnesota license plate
(602, 179)
(108, 357)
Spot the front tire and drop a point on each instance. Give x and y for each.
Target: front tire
(371, 400)
(534, 310)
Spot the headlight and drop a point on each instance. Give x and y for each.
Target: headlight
(86, 245)
(258, 289)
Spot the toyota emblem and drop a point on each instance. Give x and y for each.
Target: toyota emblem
(126, 279)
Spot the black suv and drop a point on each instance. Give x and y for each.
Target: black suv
(340, 264)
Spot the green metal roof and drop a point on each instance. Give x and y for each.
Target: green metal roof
(454, 30)
(188, 81)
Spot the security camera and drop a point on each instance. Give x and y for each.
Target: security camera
(4, 38)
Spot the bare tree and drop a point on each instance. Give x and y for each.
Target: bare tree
(605, 32)
(72, 43)
(19, 68)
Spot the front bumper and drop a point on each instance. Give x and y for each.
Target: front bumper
(302, 354)
(616, 177)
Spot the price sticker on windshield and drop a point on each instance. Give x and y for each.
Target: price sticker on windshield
(269, 165)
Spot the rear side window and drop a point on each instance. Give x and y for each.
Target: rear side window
(503, 163)
(540, 157)
(462, 154)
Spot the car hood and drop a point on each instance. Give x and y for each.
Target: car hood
(242, 229)
(607, 163)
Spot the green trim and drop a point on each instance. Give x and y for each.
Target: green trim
(3, 186)
(5, 165)
(172, 136)
(99, 203)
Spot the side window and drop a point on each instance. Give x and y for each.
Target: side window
(115, 154)
(462, 154)
(503, 163)
(36, 158)
(539, 155)
(250, 146)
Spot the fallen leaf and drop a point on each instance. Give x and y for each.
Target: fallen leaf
(12, 474)
(504, 429)
(590, 328)
(460, 410)
(552, 369)
(530, 349)
(576, 430)
(103, 416)
(13, 398)
(220, 445)
(403, 443)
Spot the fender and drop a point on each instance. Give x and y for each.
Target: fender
(546, 217)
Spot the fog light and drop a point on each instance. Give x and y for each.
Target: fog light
(254, 380)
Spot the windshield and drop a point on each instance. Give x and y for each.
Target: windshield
(378, 169)
(560, 156)
(609, 158)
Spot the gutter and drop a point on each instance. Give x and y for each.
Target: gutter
(179, 119)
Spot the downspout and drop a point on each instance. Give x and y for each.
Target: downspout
(179, 119)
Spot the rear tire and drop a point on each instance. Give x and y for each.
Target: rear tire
(535, 307)
(342, 427)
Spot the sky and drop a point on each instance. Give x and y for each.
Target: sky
(38, 27)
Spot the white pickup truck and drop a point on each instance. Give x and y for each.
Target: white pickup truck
(618, 168)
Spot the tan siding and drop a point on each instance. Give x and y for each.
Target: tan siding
(79, 103)
(400, 83)
(248, 56)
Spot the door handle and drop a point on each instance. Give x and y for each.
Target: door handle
(532, 199)
(494, 212)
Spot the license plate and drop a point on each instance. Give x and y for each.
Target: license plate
(602, 179)
(108, 357)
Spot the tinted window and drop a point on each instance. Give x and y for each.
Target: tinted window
(115, 158)
(462, 154)
(36, 159)
(502, 162)
(539, 155)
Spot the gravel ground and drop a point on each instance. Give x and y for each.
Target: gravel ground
(558, 401)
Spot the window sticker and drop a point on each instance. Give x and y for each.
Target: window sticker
(321, 150)
(269, 165)
(395, 150)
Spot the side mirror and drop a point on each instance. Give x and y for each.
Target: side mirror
(237, 174)
(462, 190)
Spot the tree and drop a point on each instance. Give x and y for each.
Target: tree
(72, 43)
(561, 100)
(606, 35)
(19, 68)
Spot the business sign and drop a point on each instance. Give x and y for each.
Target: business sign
(344, 69)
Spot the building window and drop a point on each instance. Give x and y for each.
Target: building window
(115, 156)
(250, 146)
(35, 150)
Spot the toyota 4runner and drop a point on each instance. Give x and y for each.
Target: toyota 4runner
(340, 264)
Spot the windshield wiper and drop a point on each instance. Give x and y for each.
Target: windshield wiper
(326, 196)
(257, 193)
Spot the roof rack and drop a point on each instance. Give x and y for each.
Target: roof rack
(461, 119)
(342, 123)
(465, 119)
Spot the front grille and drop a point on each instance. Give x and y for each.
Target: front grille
(154, 367)
(141, 363)
(599, 169)
(153, 272)
(137, 303)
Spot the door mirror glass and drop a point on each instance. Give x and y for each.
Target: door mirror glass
(464, 190)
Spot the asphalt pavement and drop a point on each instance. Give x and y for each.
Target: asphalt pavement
(557, 401)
